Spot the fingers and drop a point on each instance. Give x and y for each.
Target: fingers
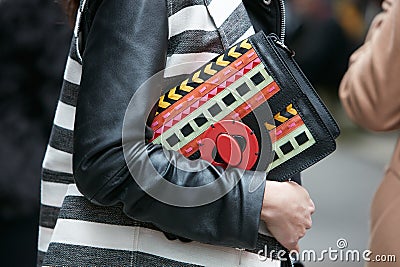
(312, 207)
(292, 246)
(287, 218)
(311, 210)
(308, 223)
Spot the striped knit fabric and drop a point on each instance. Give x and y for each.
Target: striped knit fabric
(75, 232)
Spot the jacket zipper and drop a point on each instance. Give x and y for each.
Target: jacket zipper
(240, 255)
(281, 39)
(283, 20)
(77, 29)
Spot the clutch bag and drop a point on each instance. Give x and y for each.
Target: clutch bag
(251, 108)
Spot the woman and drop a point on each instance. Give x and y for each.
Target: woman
(110, 220)
(370, 94)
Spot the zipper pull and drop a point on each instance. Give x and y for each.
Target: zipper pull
(284, 46)
(240, 255)
(292, 261)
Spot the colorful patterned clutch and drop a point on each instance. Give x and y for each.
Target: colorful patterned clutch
(251, 108)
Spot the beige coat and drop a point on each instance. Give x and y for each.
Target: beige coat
(370, 93)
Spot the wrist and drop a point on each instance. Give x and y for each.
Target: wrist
(266, 205)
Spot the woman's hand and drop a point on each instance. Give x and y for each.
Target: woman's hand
(286, 211)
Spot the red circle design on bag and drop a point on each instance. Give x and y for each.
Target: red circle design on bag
(230, 143)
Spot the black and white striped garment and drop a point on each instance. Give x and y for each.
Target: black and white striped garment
(75, 232)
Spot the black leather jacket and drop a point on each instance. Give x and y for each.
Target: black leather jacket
(123, 46)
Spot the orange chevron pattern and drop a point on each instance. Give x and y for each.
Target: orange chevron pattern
(205, 73)
(166, 114)
(284, 129)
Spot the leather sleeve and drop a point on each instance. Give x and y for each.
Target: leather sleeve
(370, 89)
(126, 43)
(265, 17)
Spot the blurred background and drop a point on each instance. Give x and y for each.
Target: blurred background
(324, 34)
(34, 41)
